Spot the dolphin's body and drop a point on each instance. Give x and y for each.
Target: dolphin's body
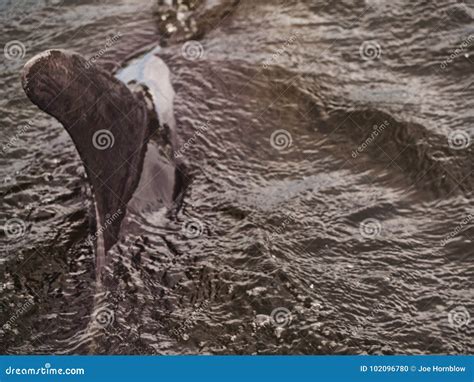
(111, 125)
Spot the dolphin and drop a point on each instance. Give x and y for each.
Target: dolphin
(123, 128)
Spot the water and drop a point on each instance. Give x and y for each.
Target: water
(333, 164)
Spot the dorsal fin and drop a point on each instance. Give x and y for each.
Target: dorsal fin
(107, 122)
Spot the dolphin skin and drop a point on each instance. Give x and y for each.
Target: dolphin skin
(111, 124)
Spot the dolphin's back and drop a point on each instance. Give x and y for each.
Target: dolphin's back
(110, 126)
(153, 73)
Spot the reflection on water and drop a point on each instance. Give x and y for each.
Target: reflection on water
(286, 242)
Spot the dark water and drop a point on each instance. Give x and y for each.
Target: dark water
(329, 206)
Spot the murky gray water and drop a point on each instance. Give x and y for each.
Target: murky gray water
(329, 206)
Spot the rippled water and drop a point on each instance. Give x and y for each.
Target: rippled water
(328, 208)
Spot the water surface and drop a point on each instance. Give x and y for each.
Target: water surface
(329, 205)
